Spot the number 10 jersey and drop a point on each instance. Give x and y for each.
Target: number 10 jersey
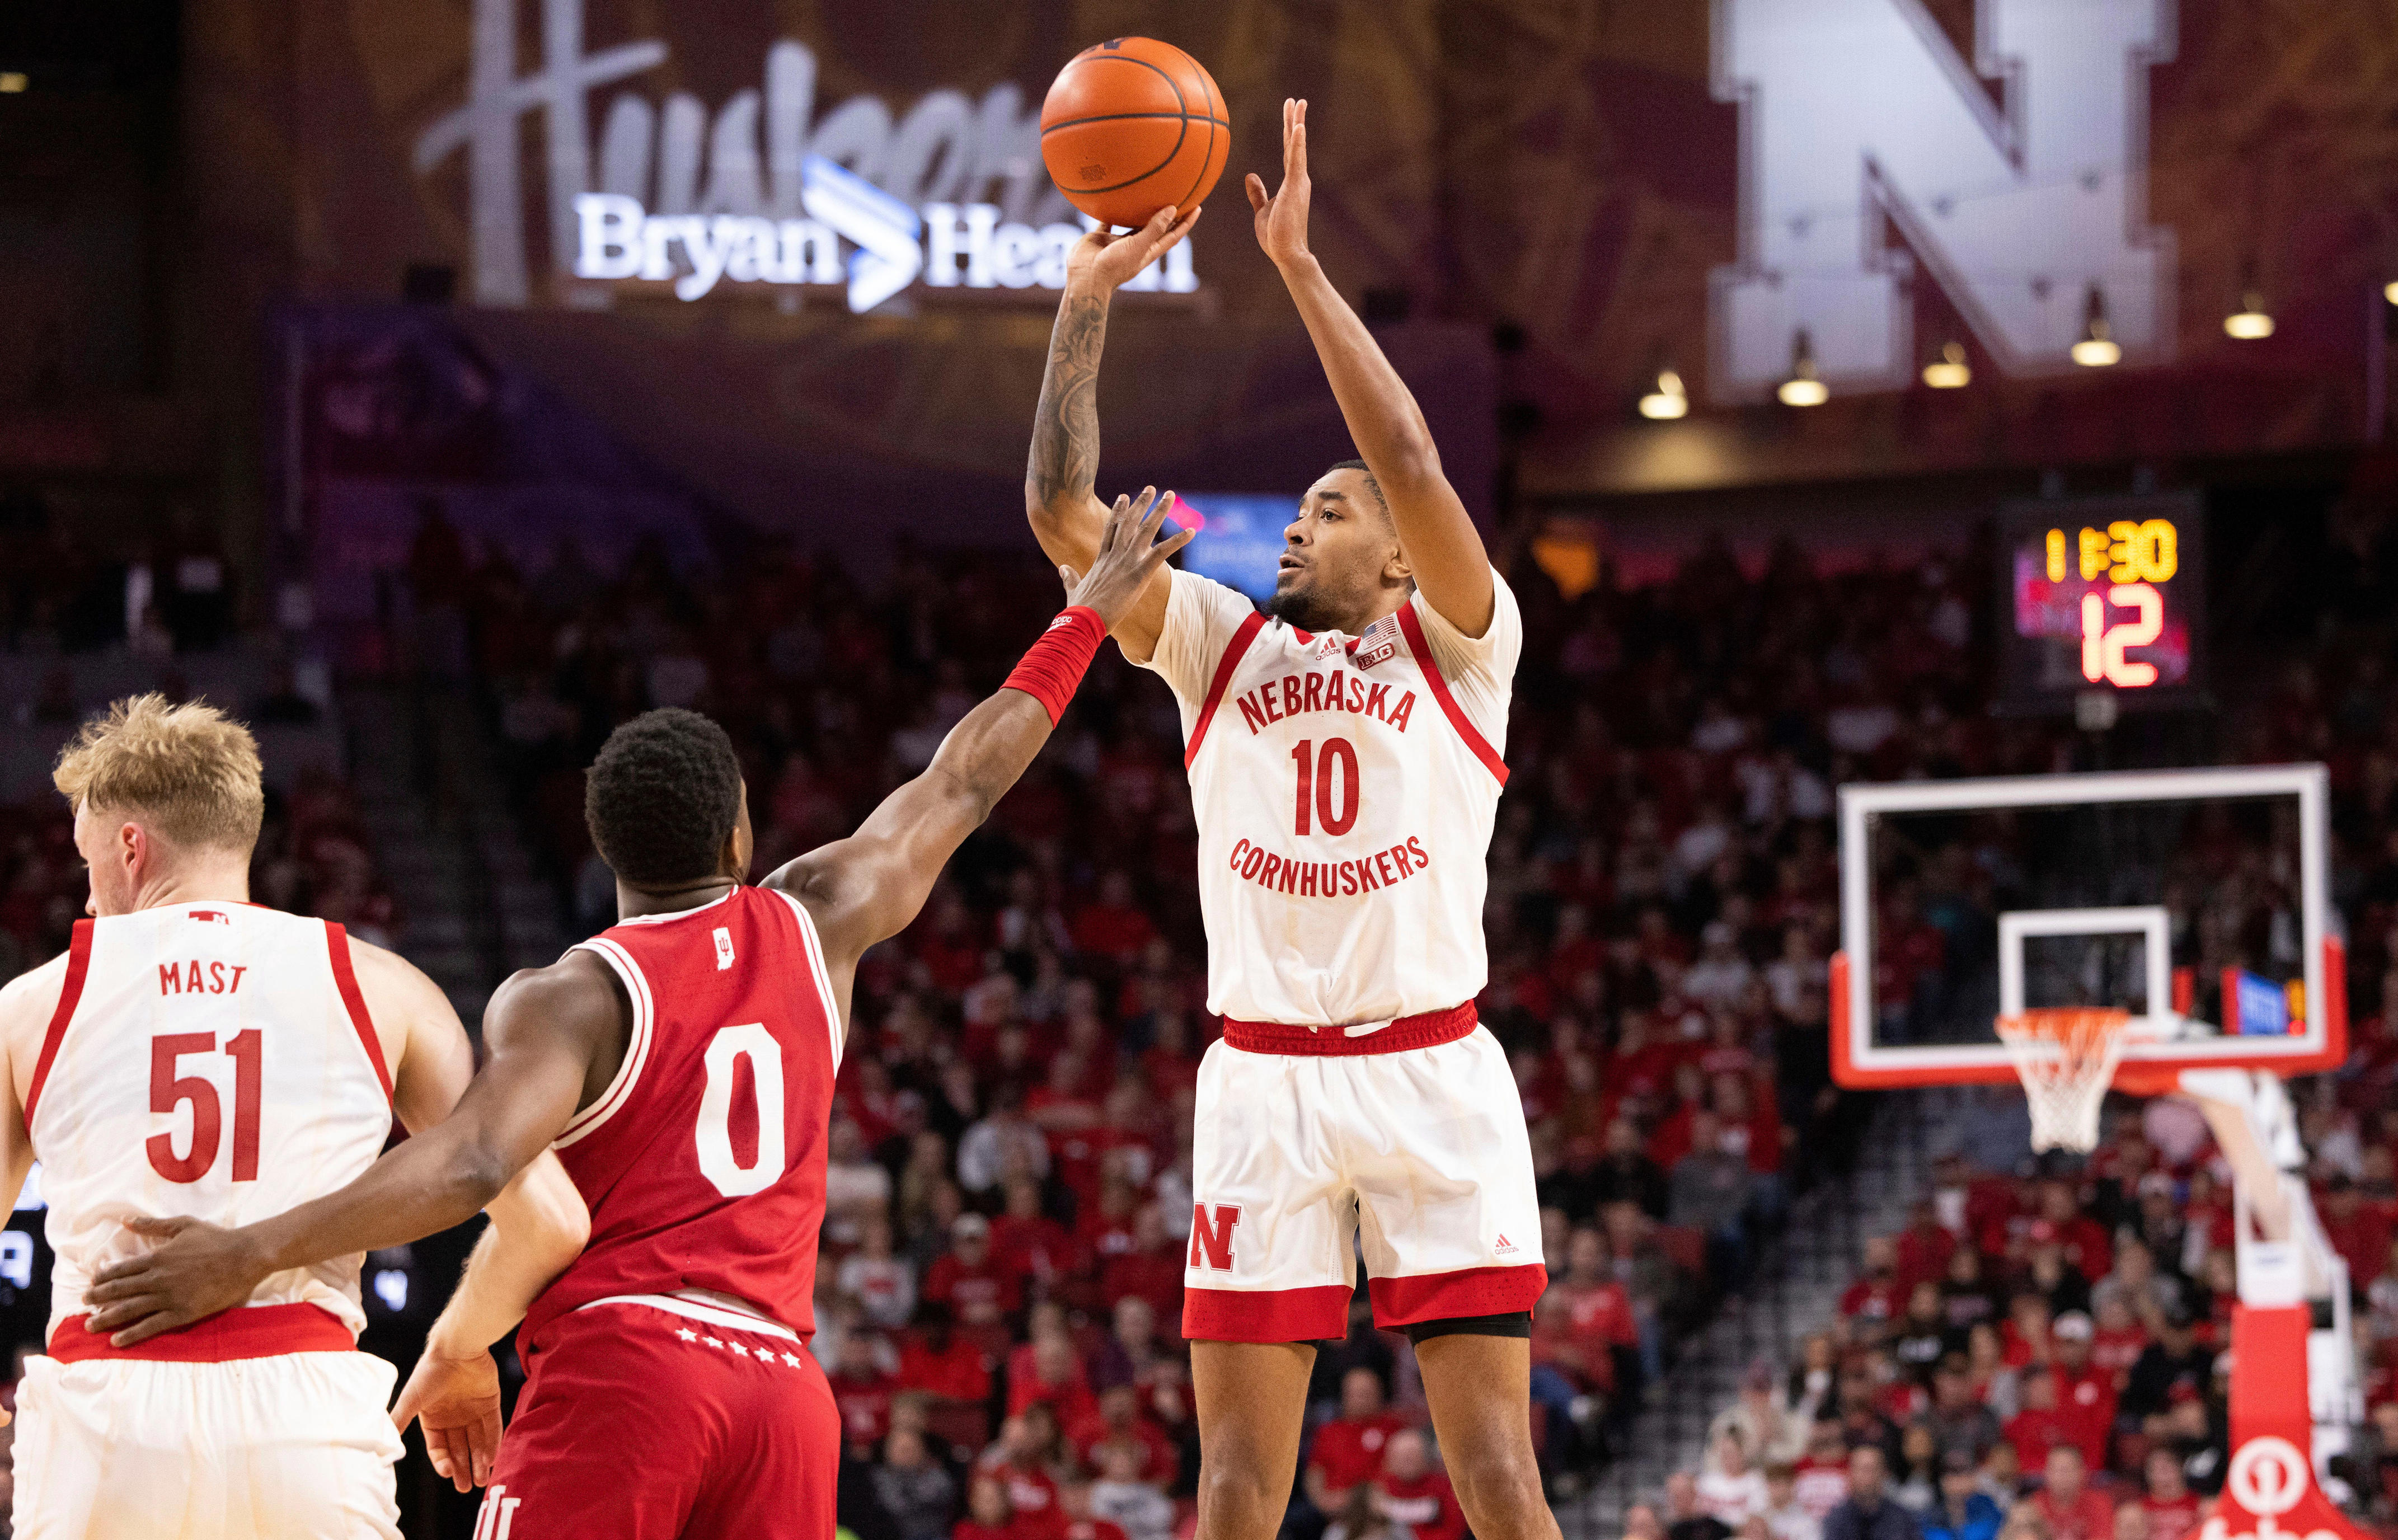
(1345, 789)
(703, 1162)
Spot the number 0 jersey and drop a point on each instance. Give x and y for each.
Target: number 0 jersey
(702, 1163)
(1345, 790)
(214, 1059)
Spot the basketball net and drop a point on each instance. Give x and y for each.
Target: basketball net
(2066, 1056)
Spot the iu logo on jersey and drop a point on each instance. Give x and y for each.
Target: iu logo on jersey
(498, 1516)
(1211, 1235)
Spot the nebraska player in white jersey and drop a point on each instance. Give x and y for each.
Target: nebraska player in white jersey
(1343, 749)
(193, 1053)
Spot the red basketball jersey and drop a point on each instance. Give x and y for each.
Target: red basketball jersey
(702, 1163)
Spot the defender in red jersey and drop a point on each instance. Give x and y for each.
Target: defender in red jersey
(682, 1065)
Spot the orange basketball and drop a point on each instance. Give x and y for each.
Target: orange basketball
(1131, 125)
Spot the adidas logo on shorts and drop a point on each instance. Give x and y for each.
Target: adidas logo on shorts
(1505, 1248)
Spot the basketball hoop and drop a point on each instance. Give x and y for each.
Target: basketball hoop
(2066, 1056)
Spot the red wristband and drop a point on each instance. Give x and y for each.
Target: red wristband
(1053, 666)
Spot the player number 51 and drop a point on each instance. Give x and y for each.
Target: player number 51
(169, 1088)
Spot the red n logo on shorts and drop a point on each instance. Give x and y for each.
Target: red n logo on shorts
(1212, 1240)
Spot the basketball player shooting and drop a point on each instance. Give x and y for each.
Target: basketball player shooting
(194, 1052)
(682, 1065)
(1344, 751)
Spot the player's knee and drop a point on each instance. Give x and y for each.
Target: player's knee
(1235, 1489)
(1499, 1491)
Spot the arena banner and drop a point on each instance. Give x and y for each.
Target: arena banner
(2054, 208)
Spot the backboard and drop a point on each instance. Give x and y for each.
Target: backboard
(2197, 899)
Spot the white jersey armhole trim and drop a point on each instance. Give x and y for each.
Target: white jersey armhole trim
(636, 1051)
(838, 1028)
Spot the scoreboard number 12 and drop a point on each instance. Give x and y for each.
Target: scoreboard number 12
(2134, 556)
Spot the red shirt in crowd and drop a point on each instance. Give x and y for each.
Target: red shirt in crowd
(1154, 1275)
(865, 1403)
(1070, 1398)
(1427, 1506)
(1158, 1459)
(1036, 1248)
(2088, 1516)
(959, 1372)
(1093, 1529)
(2085, 1400)
(1873, 1299)
(2171, 1520)
(980, 1297)
(2034, 1432)
(1350, 1451)
(2117, 1351)
(1034, 1497)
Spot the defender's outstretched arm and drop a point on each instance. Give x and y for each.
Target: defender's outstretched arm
(1067, 516)
(1442, 546)
(871, 886)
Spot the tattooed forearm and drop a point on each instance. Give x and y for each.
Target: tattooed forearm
(1066, 427)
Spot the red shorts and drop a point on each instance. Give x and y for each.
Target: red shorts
(641, 1424)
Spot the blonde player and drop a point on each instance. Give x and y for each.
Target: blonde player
(1344, 751)
(193, 1053)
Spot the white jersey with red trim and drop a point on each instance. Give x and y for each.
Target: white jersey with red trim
(213, 1059)
(1345, 791)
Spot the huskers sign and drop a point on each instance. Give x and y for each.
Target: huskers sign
(2020, 178)
(762, 189)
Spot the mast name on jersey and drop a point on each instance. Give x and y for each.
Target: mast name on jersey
(949, 193)
(1293, 694)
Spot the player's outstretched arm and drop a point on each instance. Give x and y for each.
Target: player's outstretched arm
(1060, 478)
(868, 887)
(1442, 546)
(545, 1031)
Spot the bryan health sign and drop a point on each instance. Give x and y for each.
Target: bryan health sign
(761, 191)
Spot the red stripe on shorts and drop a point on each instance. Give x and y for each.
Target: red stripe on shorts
(255, 1332)
(1266, 1315)
(1468, 1291)
(1430, 1030)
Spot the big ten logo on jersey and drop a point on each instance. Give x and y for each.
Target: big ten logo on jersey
(1211, 1235)
(497, 1517)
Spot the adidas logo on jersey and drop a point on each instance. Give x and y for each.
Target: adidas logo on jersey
(1505, 1248)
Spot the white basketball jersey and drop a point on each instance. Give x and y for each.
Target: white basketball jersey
(1345, 790)
(213, 1059)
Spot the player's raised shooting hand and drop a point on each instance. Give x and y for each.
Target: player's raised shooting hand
(192, 1271)
(1282, 219)
(1129, 551)
(458, 1402)
(1109, 261)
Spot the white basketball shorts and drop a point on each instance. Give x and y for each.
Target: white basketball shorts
(1309, 1150)
(298, 1446)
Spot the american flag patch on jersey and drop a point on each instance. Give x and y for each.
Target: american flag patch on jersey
(1380, 641)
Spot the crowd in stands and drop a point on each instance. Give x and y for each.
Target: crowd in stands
(2044, 1354)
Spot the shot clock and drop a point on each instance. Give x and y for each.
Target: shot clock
(2103, 595)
